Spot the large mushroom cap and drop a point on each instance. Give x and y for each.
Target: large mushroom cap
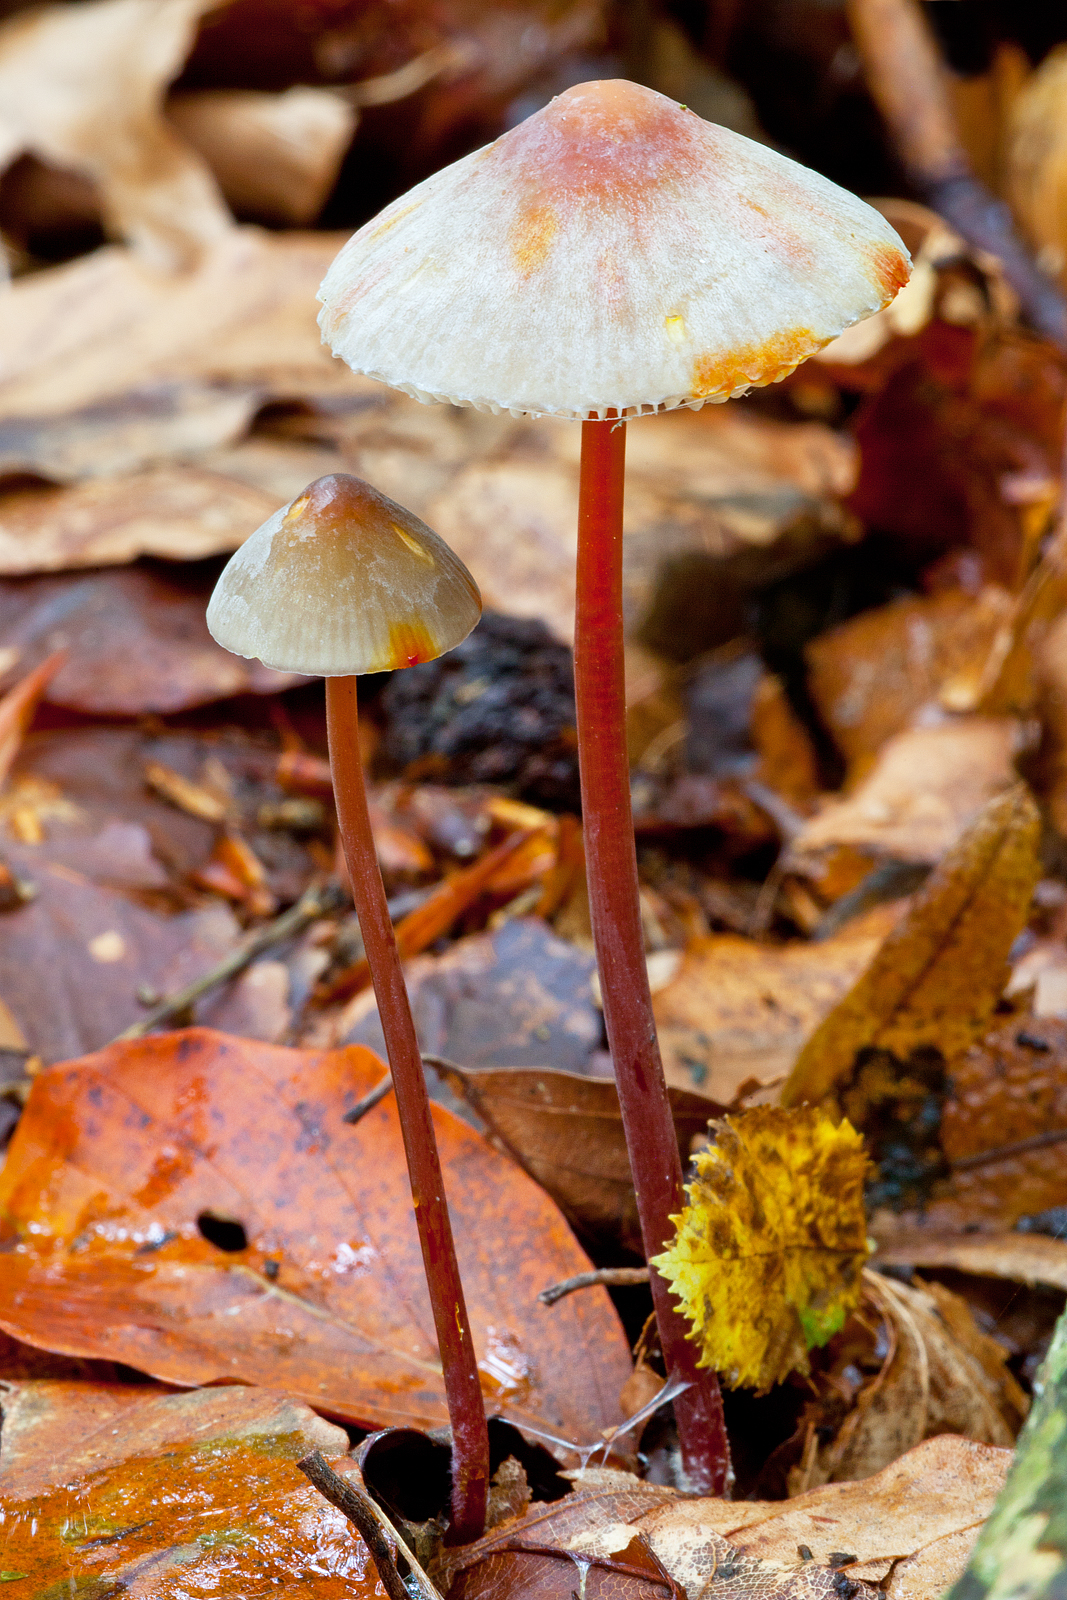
(615, 252)
(343, 580)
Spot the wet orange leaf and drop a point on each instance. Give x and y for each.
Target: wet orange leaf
(110, 1489)
(120, 1153)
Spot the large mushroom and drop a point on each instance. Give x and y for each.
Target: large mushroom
(340, 582)
(613, 256)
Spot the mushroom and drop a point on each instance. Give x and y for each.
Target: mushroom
(613, 256)
(340, 582)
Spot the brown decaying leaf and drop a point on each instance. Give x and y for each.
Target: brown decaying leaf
(566, 1131)
(516, 996)
(82, 90)
(741, 1010)
(939, 1374)
(925, 787)
(921, 1513)
(118, 1155)
(135, 637)
(1030, 1258)
(18, 706)
(940, 972)
(108, 1488)
(871, 676)
(178, 512)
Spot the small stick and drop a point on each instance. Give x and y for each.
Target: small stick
(375, 1096)
(613, 1277)
(1001, 1152)
(317, 901)
(352, 1503)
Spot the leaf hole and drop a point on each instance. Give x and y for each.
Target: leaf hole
(223, 1232)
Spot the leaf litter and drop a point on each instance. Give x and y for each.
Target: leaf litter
(878, 540)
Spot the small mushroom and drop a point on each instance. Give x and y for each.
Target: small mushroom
(340, 582)
(612, 256)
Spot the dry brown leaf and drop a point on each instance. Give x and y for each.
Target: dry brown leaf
(18, 706)
(128, 432)
(566, 1131)
(135, 638)
(871, 676)
(81, 88)
(1029, 1258)
(104, 324)
(740, 1010)
(926, 786)
(179, 512)
(275, 156)
(1037, 160)
(940, 972)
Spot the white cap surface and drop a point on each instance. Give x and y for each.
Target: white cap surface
(615, 252)
(343, 580)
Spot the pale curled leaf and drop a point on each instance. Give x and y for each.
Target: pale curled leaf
(939, 974)
(769, 1251)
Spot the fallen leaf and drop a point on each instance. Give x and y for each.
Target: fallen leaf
(566, 1131)
(1028, 1258)
(925, 788)
(82, 89)
(104, 325)
(18, 706)
(324, 1294)
(768, 1251)
(1036, 156)
(940, 972)
(87, 1471)
(932, 1500)
(178, 512)
(517, 996)
(739, 1010)
(135, 637)
(871, 676)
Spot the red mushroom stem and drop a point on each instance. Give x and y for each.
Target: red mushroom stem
(466, 1410)
(611, 858)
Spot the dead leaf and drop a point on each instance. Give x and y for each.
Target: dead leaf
(1028, 1258)
(925, 788)
(126, 434)
(87, 1468)
(275, 156)
(517, 996)
(82, 90)
(940, 972)
(935, 1496)
(566, 1131)
(871, 676)
(104, 325)
(740, 1010)
(178, 512)
(152, 1139)
(135, 638)
(767, 1255)
(1036, 157)
(18, 706)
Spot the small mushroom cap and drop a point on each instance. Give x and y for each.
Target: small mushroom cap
(343, 580)
(615, 252)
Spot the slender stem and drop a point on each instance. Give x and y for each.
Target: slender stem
(470, 1440)
(352, 1503)
(600, 692)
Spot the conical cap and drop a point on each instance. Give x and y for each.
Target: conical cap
(615, 252)
(343, 580)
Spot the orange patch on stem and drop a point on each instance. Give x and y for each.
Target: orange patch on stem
(727, 370)
(532, 238)
(410, 643)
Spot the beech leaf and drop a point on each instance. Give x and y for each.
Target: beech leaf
(768, 1255)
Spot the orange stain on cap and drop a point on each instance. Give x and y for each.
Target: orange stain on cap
(409, 644)
(727, 370)
(889, 268)
(532, 237)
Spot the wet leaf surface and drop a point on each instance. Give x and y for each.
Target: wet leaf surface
(109, 1490)
(118, 1156)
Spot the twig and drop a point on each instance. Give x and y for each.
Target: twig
(615, 1277)
(908, 82)
(369, 1101)
(358, 1508)
(317, 901)
(1001, 1152)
